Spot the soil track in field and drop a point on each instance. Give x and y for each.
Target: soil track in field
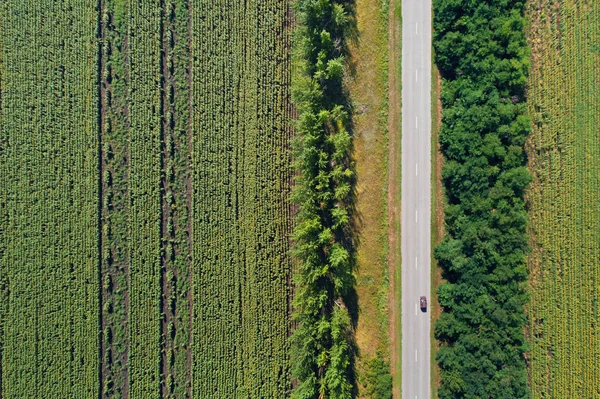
(176, 301)
(114, 199)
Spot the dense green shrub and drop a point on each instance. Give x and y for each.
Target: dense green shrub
(322, 358)
(379, 379)
(482, 54)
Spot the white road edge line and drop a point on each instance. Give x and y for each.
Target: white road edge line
(416, 169)
(416, 28)
(416, 309)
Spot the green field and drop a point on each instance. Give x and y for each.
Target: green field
(241, 208)
(145, 216)
(49, 249)
(564, 221)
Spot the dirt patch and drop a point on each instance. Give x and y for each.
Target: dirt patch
(176, 202)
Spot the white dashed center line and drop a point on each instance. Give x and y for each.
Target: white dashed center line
(416, 216)
(417, 28)
(416, 122)
(416, 356)
(416, 262)
(416, 75)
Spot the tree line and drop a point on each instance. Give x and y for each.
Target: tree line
(322, 344)
(482, 54)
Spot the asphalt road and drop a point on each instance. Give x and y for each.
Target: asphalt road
(416, 199)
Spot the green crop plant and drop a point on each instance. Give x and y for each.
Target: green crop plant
(49, 168)
(241, 208)
(145, 200)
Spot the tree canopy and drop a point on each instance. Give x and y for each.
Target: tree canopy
(482, 54)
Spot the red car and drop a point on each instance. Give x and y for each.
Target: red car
(423, 302)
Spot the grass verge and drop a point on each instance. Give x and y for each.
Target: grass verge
(395, 191)
(437, 221)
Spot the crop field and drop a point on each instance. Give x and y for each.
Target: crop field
(564, 217)
(145, 214)
(49, 247)
(241, 209)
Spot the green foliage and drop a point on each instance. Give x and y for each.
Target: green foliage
(323, 349)
(482, 54)
(379, 379)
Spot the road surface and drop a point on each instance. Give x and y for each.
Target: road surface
(416, 200)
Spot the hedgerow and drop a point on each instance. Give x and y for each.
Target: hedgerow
(322, 354)
(482, 55)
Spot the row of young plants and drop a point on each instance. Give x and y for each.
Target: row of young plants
(482, 55)
(216, 264)
(49, 190)
(323, 348)
(241, 174)
(264, 220)
(4, 292)
(145, 199)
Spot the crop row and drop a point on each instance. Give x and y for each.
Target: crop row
(564, 149)
(144, 185)
(240, 200)
(49, 171)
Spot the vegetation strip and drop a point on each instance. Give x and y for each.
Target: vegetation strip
(483, 58)
(49, 171)
(368, 89)
(176, 188)
(114, 198)
(241, 205)
(564, 217)
(145, 215)
(323, 346)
